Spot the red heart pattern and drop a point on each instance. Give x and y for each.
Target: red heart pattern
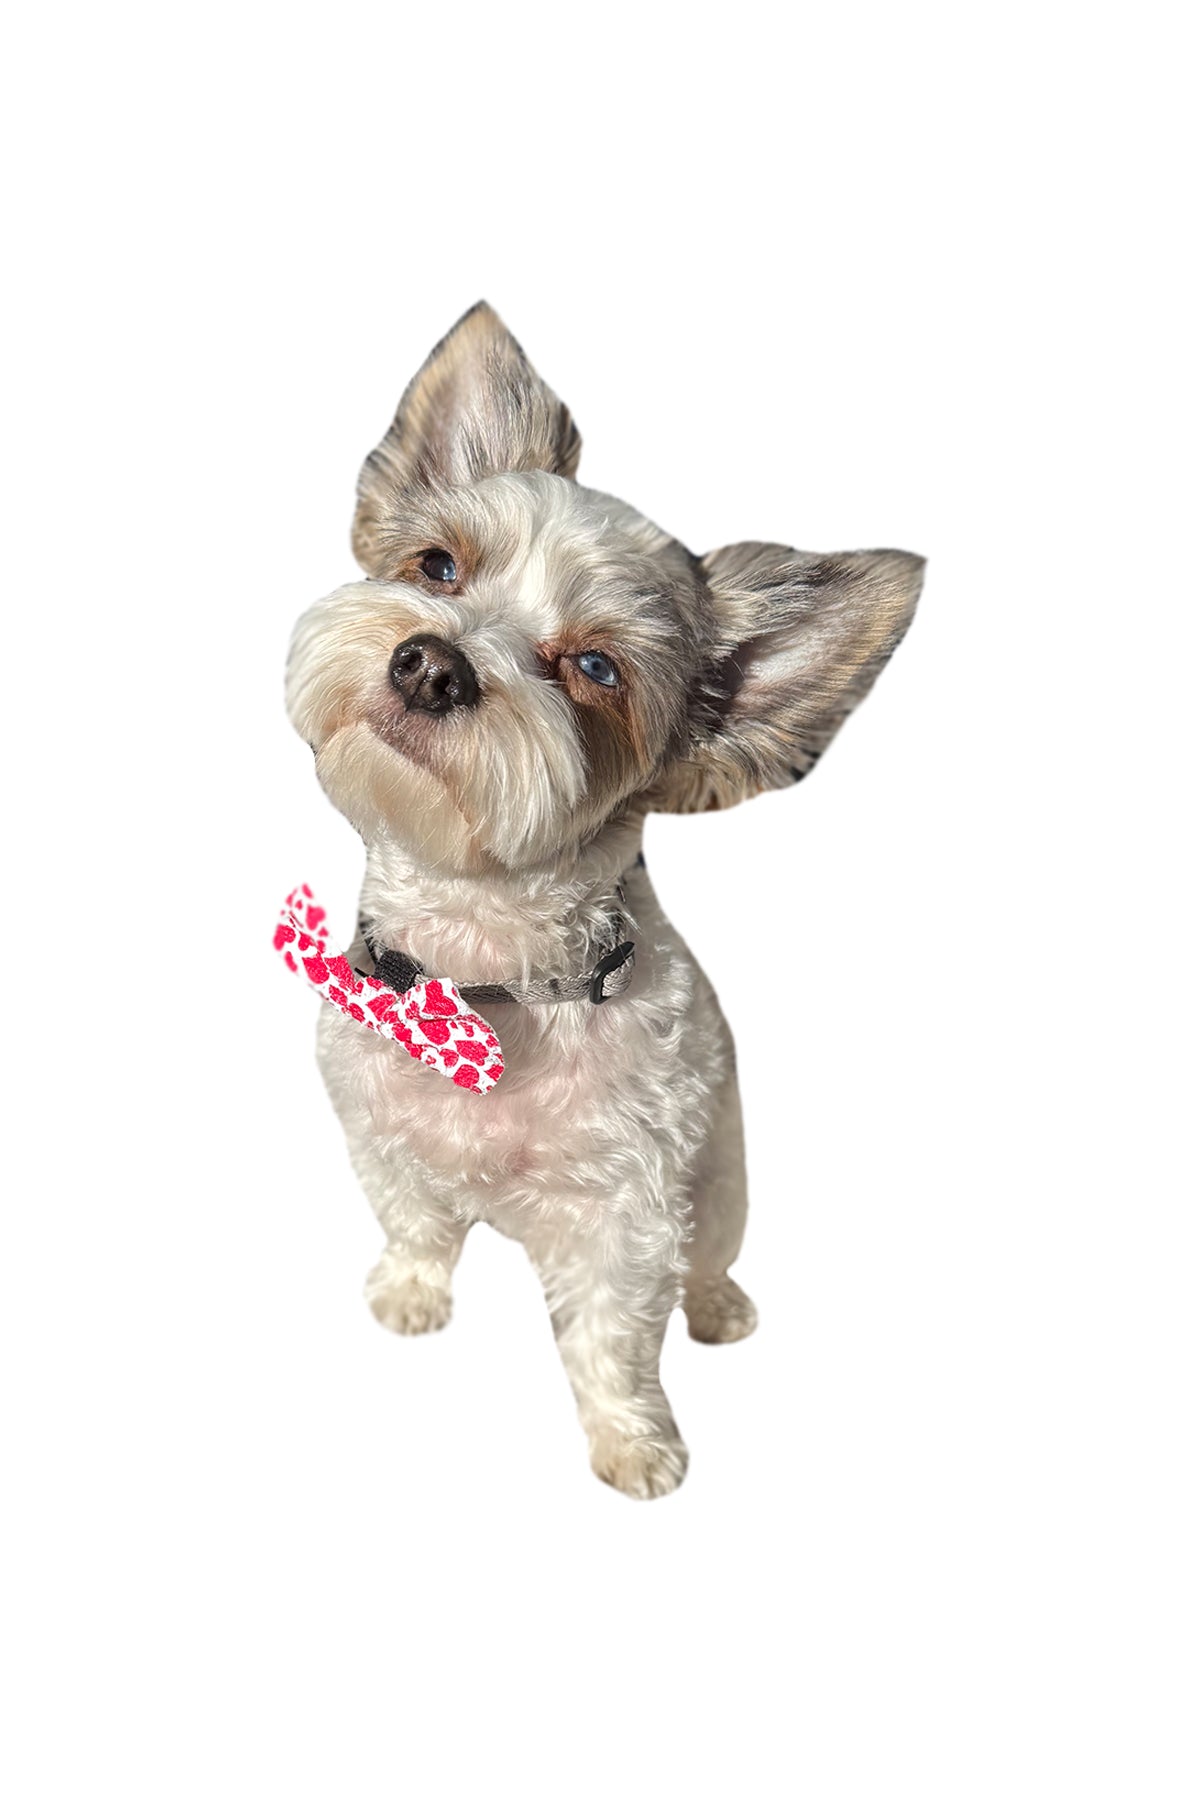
(429, 1020)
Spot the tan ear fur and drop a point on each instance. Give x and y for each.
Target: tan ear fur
(475, 408)
(801, 640)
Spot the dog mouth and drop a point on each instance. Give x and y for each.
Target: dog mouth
(431, 740)
(411, 736)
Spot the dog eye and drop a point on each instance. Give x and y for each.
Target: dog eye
(439, 566)
(597, 668)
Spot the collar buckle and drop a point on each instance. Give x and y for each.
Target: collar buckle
(608, 965)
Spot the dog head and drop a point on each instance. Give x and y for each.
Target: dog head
(532, 662)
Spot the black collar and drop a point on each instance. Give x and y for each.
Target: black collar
(609, 975)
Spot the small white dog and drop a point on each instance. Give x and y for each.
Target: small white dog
(530, 670)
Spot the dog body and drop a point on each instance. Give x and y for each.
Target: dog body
(531, 669)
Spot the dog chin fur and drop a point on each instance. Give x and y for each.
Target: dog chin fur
(497, 835)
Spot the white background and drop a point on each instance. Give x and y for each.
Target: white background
(865, 275)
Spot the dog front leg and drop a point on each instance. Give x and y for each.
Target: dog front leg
(611, 1294)
(408, 1290)
(718, 1312)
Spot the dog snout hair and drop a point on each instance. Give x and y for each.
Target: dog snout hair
(431, 675)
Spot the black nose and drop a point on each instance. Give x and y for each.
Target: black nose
(431, 675)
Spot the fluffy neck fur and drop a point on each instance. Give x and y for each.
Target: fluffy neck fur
(503, 924)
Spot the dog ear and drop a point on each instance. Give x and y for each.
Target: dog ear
(475, 408)
(800, 639)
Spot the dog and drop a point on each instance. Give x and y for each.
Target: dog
(529, 670)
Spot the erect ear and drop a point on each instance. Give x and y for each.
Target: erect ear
(800, 640)
(475, 408)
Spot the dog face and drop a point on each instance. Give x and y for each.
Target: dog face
(531, 661)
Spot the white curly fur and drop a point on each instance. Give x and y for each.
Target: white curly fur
(496, 837)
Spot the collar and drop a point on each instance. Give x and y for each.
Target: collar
(608, 974)
(429, 1016)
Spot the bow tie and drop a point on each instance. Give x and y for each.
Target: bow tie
(428, 1019)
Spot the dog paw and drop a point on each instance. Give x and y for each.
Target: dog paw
(406, 1302)
(718, 1312)
(642, 1467)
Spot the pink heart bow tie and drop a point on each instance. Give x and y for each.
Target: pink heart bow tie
(429, 1020)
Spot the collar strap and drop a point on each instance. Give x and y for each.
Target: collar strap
(609, 975)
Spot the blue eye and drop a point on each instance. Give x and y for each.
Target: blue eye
(597, 668)
(438, 565)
